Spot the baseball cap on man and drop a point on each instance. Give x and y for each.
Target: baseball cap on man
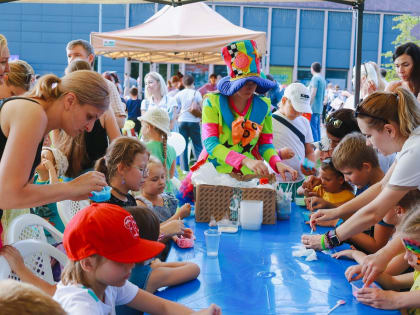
(109, 231)
(299, 96)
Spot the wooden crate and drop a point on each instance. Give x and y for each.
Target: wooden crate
(215, 200)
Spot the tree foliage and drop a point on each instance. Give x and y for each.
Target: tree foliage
(405, 24)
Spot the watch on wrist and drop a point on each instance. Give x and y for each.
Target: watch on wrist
(333, 238)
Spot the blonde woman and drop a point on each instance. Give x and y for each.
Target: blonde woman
(71, 103)
(156, 93)
(4, 57)
(18, 81)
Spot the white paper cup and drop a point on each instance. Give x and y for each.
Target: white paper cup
(251, 214)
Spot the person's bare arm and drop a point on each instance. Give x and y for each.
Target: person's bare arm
(403, 281)
(347, 209)
(313, 94)
(52, 173)
(172, 170)
(356, 255)
(149, 303)
(110, 125)
(16, 263)
(309, 152)
(393, 85)
(370, 214)
(171, 273)
(24, 123)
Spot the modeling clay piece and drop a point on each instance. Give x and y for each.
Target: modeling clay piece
(308, 164)
(186, 240)
(101, 196)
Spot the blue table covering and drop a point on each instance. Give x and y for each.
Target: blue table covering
(255, 273)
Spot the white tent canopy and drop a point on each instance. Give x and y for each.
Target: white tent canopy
(192, 33)
(176, 2)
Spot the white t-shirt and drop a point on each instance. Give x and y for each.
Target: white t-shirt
(407, 169)
(165, 103)
(79, 300)
(184, 99)
(284, 137)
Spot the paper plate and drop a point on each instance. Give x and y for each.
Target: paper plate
(177, 141)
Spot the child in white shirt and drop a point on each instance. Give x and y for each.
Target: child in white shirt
(292, 131)
(103, 244)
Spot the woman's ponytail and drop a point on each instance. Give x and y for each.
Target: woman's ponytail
(47, 88)
(408, 111)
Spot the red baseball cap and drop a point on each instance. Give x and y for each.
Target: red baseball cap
(109, 231)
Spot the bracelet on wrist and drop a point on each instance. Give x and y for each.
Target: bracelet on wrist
(323, 242)
(332, 238)
(327, 241)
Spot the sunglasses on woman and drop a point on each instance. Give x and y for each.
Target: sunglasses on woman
(335, 122)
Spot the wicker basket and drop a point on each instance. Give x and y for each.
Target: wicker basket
(215, 200)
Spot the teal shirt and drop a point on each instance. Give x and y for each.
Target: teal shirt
(156, 149)
(49, 211)
(318, 83)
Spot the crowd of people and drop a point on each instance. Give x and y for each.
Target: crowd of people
(62, 139)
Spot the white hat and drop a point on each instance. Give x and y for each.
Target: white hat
(158, 118)
(299, 96)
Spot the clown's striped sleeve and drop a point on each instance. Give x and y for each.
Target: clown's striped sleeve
(265, 142)
(210, 135)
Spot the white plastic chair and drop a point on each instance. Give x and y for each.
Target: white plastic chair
(31, 226)
(68, 208)
(176, 182)
(37, 257)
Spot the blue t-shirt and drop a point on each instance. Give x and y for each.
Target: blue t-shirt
(318, 83)
(133, 108)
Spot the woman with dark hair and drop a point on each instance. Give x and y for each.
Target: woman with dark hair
(407, 64)
(339, 124)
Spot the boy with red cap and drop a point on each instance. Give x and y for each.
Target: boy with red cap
(102, 242)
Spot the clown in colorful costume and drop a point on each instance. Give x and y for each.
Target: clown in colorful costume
(237, 126)
(229, 135)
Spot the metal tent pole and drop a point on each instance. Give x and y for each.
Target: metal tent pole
(359, 29)
(100, 30)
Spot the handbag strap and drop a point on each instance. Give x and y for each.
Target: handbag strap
(296, 131)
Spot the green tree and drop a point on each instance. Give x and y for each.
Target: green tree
(405, 24)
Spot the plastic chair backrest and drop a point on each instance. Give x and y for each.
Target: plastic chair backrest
(176, 182)
(68, 208)
(37, 257)
(31, 226)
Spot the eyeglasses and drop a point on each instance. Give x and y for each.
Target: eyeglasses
(335, 122)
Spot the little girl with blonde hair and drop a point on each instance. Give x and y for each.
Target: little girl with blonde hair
(155, 131)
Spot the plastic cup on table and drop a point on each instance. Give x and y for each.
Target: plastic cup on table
(212, 237)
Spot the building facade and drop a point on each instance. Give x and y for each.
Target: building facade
(297, 35)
